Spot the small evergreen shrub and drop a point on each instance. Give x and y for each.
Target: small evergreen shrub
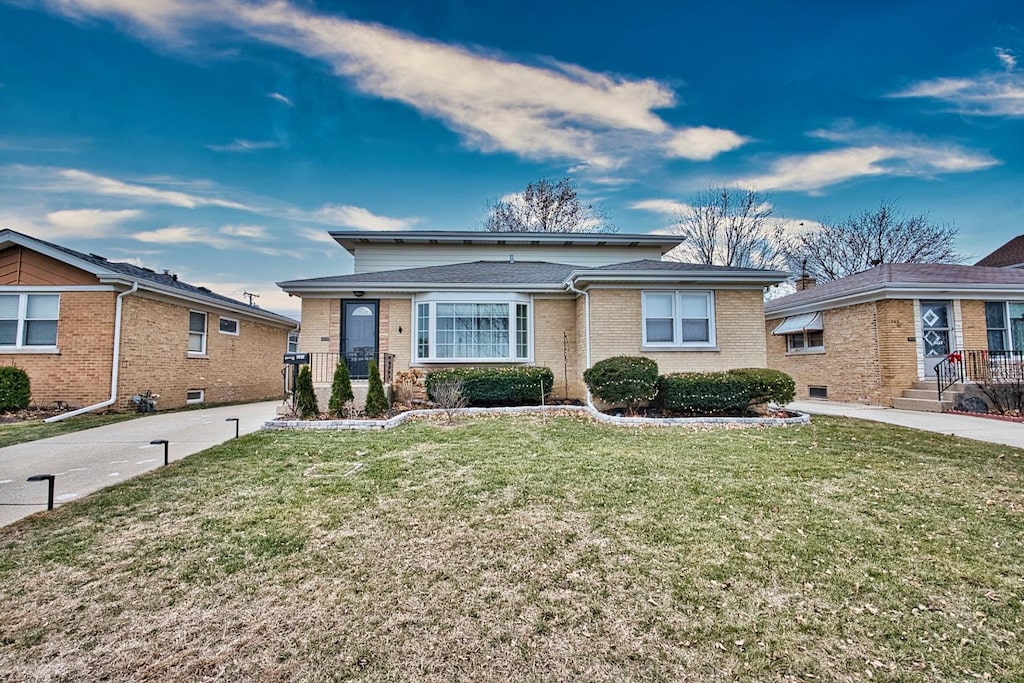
(720, 393)
(15, 388)
(305, 398)
(623, 379)
(341, 390)
(496, 386)
(376, 401)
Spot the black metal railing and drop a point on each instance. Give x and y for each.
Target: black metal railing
(980, 366)
(322, 365)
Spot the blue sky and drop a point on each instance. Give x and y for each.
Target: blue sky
(221, 138)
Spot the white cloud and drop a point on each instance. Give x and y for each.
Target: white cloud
(74, 180)
(987, 94)
(280, 98)
(664, 207)
(248, 231)
(271, 297)
(181, 234)
(89, 222)
(556, 111)
(239, 145)
(316, 235)
(344, 215)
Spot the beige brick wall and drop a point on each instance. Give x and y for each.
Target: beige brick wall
(398, 343)
(80, 373)
(974, 325)
(867, 358)
(554, 326)
(616, 330)
(316, 322)
(154, 355)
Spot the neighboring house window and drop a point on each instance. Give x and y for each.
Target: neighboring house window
(28, 320)
(808, 340)
(293, 342)
(193, 396)
(1005, 325)
(196, 332)
(683, 319)
(473, 329)
(229, 326)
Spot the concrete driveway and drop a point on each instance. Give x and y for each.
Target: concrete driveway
(91, 459)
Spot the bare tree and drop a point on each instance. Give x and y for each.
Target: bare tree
(729, 227)
(864, 240)
(546, 207)
(449, 397)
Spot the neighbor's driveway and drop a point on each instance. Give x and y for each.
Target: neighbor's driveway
(91, 459)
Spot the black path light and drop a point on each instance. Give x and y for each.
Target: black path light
(49, 478)
(157, 442)
(235, 420)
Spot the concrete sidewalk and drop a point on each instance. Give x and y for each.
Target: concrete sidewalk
(92, 459)
(977, 428)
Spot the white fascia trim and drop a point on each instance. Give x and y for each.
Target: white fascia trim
(1000, 292)
(645, 277)
(417, 287)
(57, 288)
(213, 304)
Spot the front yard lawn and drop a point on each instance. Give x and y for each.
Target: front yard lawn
(533, 548)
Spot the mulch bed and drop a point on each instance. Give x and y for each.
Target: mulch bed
(991, 416)
(30, 414)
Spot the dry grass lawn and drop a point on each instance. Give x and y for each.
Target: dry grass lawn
(533, 549)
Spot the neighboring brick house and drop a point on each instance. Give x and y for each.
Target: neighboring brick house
(881, 336)
(59, 315)
(1010, 255)
(440, 299)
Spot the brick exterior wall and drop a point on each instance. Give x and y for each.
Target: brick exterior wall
(897, 349)
(80, 374)
(554, 321)
(316, 322)
(154, 355)
(616, 329)
(974, 325)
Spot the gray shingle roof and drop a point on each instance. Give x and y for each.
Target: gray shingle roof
(650, 264)
(940, 275)
(476, 272)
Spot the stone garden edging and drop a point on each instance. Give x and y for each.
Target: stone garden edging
(391, 423)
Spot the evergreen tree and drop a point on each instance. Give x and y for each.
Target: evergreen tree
(341, 390)
(305, 397)
(376, 402)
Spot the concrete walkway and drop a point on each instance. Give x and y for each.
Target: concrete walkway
(977, 428)
(91, 459)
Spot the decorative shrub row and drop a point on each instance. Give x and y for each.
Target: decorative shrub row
(15, 388)
(496, 386)
(633, 379)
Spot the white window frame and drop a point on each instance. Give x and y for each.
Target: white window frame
(194, 401)
(293, 342)
(204, 333)
(238, 325)
(19, 338)
(677, 320)
(806, 347)
(432, 299)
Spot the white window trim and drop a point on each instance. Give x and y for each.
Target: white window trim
(805, 349)
(194, 401)
(289, 343)
(677, 321)
(238, 325)
(18, 346)
(434, 298)
(206, 332)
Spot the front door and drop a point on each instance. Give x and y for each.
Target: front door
(359, 336)
(936, 328)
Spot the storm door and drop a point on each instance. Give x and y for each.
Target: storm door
(359, 336)
(936, 328)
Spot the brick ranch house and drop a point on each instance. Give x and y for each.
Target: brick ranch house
(885, 335)
(91, 332)
(440, 299)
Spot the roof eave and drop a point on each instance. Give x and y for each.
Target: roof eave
(760, 278)
(898, 290)
(300, 287)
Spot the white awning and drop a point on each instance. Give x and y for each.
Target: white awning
(800, 323)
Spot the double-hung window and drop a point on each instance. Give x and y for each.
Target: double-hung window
(1005, 326)
(29, 320)
(196, 332)
(681, 319)
(465, 328)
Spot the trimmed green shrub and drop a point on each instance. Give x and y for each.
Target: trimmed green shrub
(305, 397)
(341, 390)
(15, 388)
(376, 401)
(496, 386)
(623, 379)
(768, 386)
(729, 392)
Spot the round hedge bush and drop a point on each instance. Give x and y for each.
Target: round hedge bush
(15, 388)
(623, 379)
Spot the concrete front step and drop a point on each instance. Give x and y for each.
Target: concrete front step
(928, 405)
(930, 393)
(933, 385)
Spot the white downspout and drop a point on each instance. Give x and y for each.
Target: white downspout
(116, 362)
(586, 327)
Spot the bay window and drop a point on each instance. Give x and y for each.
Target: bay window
(678, 319)
(473, 328)
(29, 320)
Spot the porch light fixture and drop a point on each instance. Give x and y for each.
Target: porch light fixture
(358, 294)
